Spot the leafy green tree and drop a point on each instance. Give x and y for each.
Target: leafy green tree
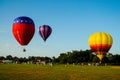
(96, 59)
(9, 57)
(2, 58)
(63, 58)
(32, 59)
(55, 60)
(105, 59)
(16, 59)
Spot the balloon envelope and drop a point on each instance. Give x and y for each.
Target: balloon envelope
(100, 43)
(45, 31)
(23, 30)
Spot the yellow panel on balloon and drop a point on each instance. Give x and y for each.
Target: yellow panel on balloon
(100, 38)
(100, 42)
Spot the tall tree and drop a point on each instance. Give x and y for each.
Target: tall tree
(9, 57)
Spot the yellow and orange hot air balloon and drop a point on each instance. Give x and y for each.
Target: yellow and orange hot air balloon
(100, 43)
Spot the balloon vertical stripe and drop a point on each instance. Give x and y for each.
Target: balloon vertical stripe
(41, 29)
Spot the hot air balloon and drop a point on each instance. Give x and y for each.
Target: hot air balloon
(45, 31)
(100, 43)
(23, 30)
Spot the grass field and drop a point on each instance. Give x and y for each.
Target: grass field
(58, 72)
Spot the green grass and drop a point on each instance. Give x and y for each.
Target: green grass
(58, 72)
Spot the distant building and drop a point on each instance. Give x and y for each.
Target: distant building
(6, 61)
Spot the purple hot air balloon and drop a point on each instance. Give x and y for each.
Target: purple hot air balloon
(45, 31)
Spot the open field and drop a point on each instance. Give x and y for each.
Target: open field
(58, 72)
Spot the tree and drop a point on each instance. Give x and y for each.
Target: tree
(76, 56)
(2, 58)
(32, 59)
(48, 59)
(9, 57)
(55, 60)
(116, 59)
(105, 59)
(63, 58)
(16, 59)
(96, 59)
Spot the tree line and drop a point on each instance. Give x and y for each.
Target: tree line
(86, 56)
(75, 56)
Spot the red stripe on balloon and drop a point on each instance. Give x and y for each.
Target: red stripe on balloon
(23, 33)
(100, 48)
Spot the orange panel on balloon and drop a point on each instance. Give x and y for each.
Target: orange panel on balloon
(100, 52)
(100, 48)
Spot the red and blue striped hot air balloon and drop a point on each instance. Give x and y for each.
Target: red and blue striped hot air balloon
(45, 31)
(23, 30)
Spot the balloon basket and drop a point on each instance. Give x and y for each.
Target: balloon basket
(24, 50)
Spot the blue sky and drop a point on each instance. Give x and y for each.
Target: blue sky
(72, 21)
